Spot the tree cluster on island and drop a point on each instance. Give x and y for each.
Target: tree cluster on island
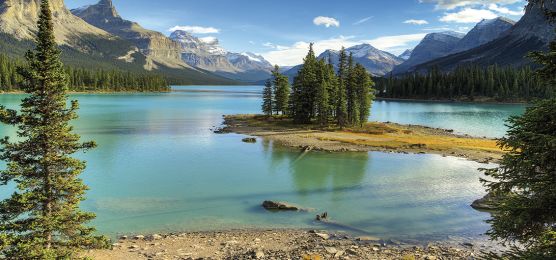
(320, 94)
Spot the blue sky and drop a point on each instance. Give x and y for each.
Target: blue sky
(281, 30)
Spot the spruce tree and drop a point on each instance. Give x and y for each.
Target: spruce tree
(304, 90)
(332, 87)
(41, 219)
(364, 93)
(267, 105)
(525, 181)
(281, 91)
(322, 95)
(341, 99)
(351, 94)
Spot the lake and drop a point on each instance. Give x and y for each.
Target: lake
(160, 168)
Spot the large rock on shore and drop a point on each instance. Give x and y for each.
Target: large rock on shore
(488, 202)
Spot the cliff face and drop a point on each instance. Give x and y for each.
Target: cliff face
(19, 17)
(157, 47)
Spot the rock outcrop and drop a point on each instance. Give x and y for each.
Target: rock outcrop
(19, 19)
(158, 48)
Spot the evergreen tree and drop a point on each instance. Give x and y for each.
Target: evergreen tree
(364, 93)
(351, 94)
(524, 183)
(267, 105)
(322, 95)
(281, 91)
(341, 99)
(330, 77)
(303, 94)
(41, 219)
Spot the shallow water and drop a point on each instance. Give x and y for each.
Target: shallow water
(160, 168)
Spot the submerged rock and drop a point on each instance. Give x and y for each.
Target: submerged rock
(275, 205)
(249, 140)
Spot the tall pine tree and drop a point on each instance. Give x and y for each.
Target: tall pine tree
(267, 105)
(341, 99)
(363, 93)
(303, 94)
(41, 219)
(281, 91)
(322, 95)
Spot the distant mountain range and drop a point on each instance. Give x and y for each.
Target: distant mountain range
(532, 32)
(377, 62)
(434, 45)
(206, 53)
(96, 36)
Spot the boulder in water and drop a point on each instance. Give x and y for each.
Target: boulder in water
(249, 140)
(275, 205)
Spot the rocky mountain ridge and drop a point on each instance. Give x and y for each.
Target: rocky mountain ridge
(158, 48)
(532, 32)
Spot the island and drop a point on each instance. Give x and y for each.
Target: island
(372, 136)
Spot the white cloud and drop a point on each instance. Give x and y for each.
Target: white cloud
(209, 40)
(389, 43)
(505, 10)
(468, 15)
(364, 20)
(440, 28)
(274, 46)
(452, 4)
(294, 54)
(326, 21)
(195, 29)
(417, 22)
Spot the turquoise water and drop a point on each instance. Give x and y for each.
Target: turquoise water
(160, 168)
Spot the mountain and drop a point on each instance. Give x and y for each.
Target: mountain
(85, 45)
(18, 19)
(433, 46)
(158, 48)
(532, 32)
(406, 54)
(377, 62)
(484, 32)
(206, 53)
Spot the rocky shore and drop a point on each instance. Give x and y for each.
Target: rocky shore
(278, 244)
(375, 136)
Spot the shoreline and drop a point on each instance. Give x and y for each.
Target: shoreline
(93, 92)
(378, 137)
(452, 101)
(283, 244)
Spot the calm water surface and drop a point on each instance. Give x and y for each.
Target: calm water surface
(160, 168)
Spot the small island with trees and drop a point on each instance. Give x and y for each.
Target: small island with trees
(328, 110)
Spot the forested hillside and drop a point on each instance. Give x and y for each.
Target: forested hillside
(467, 83)
(81, 79)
